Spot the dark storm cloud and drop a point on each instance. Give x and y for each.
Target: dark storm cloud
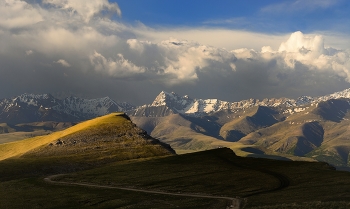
(57, 51)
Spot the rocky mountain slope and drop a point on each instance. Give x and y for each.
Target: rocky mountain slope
(313, 128)
(28, 108)
(304, 128)
(169, 103)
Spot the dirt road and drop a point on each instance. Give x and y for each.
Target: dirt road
(235, 203)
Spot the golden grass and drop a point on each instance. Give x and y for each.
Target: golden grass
(18, 148)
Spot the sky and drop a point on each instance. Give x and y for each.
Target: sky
(131, 50)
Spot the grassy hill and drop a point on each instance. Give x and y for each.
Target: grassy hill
(112, 136)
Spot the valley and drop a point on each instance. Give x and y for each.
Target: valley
(311, 129)
(264, 157)
(108, 152)
(306, 128)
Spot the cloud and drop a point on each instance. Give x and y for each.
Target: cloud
(310, 51)
(133, 63)
(17, 14)
(222, 38)
(63, 62)
(299, 5)
(86, 8)
(119, 68)
(180, 61)
(135, 45)
(29, 52)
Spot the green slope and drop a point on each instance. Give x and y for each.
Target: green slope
(110, 136)
(265, 183)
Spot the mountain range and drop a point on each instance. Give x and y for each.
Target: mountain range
(169, 103)
(44, 107)
(28, 108)
(306, 128)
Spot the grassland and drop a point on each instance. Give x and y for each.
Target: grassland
(266, 183)
(110, 150)
(220, 172)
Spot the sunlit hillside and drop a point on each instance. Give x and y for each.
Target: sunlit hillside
(111, 133)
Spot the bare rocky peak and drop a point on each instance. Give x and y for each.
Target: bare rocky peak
(186, 105)
(44, 107)
(171, 100)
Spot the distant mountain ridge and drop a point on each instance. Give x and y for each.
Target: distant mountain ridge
(44, 107)
(306, 128)
(315, 128)
(169, 103)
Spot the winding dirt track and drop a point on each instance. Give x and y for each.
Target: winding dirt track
(230, 199)
(235, 203)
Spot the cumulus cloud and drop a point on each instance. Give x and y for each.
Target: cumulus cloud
(85, 8)
(180, 61)
(183, 59)
(135, 45)
(133, 63)
(63, 62)
(119, 68)
(310, 51)
(16, 14)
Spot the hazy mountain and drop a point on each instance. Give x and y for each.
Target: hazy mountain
(10, 133)
(34, 108)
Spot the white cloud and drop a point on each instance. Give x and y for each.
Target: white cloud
(119, 68)
(300, 43)
(86, 8)
(135, 45)
(181, 61)
(310, 51)
(16, 14)
(63, 62)
(245, 53)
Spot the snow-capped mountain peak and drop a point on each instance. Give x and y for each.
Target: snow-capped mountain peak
(340, 94)
(33, 99)
(171, 100)
(303, 100)
(186, 105)
(32, 108)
